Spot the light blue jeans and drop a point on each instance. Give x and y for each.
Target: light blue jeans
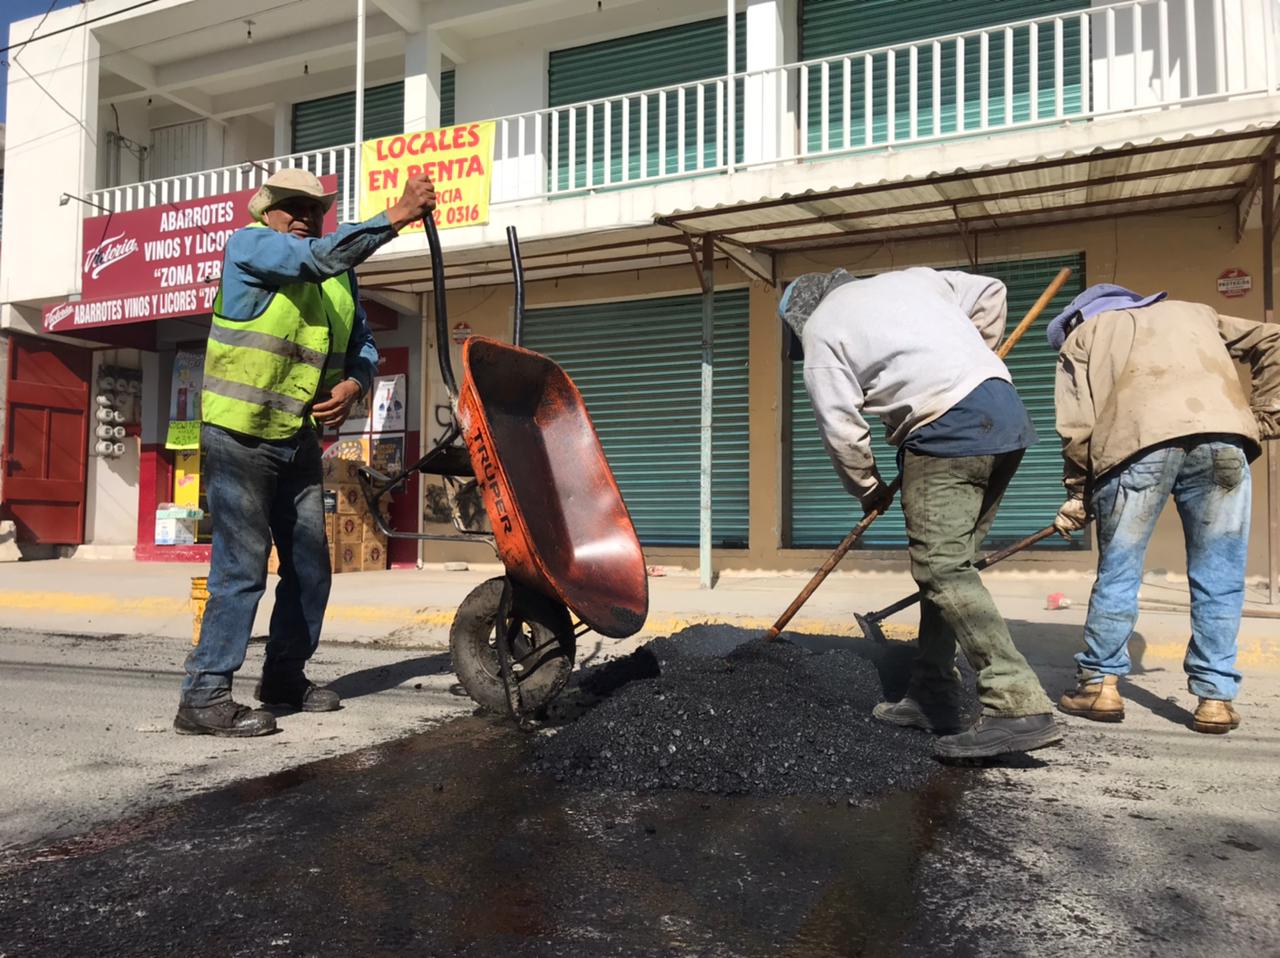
(1208, 477)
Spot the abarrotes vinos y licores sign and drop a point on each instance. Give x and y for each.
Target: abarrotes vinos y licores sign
(159, 262)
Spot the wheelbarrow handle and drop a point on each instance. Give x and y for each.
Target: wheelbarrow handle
(442, 308)
(990, 559)
(832, 561)
(517, 277)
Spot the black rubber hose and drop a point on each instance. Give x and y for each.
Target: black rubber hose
(442, 310)
(517, 269)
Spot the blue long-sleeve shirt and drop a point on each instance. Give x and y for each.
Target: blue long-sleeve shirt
(258, 262)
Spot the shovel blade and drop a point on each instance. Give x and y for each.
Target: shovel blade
(870, 628)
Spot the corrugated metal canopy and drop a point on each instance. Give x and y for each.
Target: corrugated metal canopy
(1219, 168)
(1136, 178)
(601, 251)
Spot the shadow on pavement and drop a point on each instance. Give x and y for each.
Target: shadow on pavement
(1154, 704)
(385, 677)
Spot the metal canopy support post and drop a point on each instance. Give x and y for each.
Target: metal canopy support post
(1269, 315)
(354, 213)
(708, 370)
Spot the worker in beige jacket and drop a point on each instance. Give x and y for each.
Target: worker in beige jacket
(1149, 405)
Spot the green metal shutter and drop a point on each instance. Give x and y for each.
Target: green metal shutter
(643, 61)
(447, 93)
(836, 27)
(331, 120)
(822, 513)
(638, 364)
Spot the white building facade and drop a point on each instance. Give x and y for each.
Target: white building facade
(1133, 142)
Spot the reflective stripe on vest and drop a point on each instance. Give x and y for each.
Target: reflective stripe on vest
(254, 396)
(228, 336)
(261, 375)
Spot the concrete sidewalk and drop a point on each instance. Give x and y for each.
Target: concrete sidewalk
(414, 608)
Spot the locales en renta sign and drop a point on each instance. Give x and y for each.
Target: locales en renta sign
(458, 159)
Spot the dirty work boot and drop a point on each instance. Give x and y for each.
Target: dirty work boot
(226, 718)
(995, 734)
(296, 693)
(1099, 701)
(1215, 717)
(936, 717)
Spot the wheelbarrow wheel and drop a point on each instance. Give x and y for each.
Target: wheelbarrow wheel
(542, 651)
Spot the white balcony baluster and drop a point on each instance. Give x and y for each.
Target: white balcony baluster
(1130, 58)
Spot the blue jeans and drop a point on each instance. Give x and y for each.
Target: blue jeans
(257, 491)
(1208, 477)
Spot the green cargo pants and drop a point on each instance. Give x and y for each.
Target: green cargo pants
(949, 505)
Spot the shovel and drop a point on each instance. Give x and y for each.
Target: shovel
(843, 548)
(870, 622)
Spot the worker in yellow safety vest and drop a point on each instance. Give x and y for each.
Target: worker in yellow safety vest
(289, 352)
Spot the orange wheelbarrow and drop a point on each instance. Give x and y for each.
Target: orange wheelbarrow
(520, 435)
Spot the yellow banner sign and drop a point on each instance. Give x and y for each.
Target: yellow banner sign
(458, 159)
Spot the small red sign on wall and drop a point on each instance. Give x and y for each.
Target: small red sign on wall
(460, 333)
(1234, 283)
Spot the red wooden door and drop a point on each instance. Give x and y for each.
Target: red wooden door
(46, 440)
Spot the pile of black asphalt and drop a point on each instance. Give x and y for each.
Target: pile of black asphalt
(746, 718)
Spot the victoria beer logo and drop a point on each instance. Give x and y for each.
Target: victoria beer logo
(111, 250)
(58, 314)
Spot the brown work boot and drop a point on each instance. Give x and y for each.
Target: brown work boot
(225, 718)
(1215, 717)
(1099, 701)
(297, 692)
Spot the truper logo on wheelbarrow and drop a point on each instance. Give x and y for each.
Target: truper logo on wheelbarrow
(489, 474)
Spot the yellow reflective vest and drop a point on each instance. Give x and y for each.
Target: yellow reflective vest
(261, 375)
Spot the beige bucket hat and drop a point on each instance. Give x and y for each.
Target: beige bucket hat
(286, 183)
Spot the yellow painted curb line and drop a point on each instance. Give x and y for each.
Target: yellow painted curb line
(102, 603)
(1252, 653)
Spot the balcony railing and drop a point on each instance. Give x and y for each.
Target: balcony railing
(330, 161)
(1135, 56)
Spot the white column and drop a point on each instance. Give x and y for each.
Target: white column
(89, 110)
(422, 56)
(768, 24)
(283, 129)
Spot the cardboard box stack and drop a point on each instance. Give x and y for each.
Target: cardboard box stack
(355, 542)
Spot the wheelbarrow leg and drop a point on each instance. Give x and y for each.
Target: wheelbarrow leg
(506, 629)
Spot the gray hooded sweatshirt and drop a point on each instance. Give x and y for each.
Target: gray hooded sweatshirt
(905, 346)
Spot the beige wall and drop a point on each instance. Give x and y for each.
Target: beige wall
(1182, 253)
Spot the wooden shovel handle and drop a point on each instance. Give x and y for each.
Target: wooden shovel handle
(832, 561)
(1033, 314)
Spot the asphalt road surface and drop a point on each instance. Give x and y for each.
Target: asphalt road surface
(406, 825)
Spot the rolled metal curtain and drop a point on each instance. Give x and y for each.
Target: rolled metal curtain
(642, 61)
(821, 512)
(834, 27)
(329, 120)
(447, 94)
(638, 364)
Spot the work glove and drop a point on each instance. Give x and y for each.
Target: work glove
(1073, 516)
(879, 499)
(1268, 423)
